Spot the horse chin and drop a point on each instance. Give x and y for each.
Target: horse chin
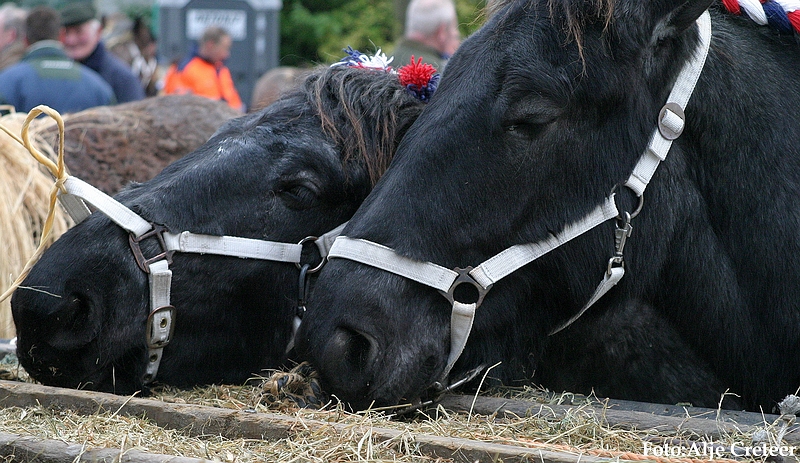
(40, 361)
(400, 391)
(112, 381)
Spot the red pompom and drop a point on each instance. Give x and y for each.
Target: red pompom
(416, 73)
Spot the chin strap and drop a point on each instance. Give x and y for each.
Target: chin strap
(671, 122)
(161, 318)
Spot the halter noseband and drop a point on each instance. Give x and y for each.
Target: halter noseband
(671, 122)
(161, 318)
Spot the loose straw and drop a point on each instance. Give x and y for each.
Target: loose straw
(56, 169)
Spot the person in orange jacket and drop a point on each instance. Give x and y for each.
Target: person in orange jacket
(204, 72)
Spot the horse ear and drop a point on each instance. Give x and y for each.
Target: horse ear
(675, 20)
(682, 17)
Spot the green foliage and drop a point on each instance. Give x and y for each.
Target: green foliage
(316, 31)
(137, 10)
(470, 15)
(313, 31)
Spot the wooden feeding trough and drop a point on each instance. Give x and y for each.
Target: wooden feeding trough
(662, 426)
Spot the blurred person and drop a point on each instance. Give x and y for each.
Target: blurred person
(275, 83)
(431, 33)
(204, 72)
(12, 34)
(46, 75)
(137, 46)
(81, 36)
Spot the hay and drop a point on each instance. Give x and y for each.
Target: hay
(575, 434)
(361, 436)
(24, 198)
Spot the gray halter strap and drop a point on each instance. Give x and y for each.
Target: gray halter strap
(671, 122)
(161, 318)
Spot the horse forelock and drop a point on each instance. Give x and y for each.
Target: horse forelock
(365, 112)
(570, 15)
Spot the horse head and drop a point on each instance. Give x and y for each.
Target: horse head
(539, 121)
(295, 169)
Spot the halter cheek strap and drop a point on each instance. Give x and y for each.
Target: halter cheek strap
(481, 277)
(671, 121)
(161, 318)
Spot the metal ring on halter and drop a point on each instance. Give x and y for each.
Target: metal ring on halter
(465, 278)
(311, 239)
(638, 206)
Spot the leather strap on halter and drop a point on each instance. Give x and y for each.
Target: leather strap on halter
(671, 121)
(161, 318)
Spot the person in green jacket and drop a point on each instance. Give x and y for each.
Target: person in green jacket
(47, 76)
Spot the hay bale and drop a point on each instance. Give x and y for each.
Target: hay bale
(24, 194)
(111, 146)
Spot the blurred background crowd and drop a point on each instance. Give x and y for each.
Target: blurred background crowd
(76, 54)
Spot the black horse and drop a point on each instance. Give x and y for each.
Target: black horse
(297, 168)
(63, 344)
(539, 117)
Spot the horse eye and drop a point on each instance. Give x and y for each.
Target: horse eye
(526, 129)
(298, 196)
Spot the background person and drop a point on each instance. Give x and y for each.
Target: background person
(46, 75)
(204, 72)
(275, 83)
(81, 38)
(133, 41)
(12, 34)
(431, 32)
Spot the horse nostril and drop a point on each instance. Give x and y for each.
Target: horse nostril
(75, 313)
(352, 347)
(72, 325)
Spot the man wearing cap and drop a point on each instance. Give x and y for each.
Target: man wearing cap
(46, 75)
(81, 38)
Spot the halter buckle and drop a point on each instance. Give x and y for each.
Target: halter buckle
(160, 327)
(464, 277)
(671, 121)
(144, 263)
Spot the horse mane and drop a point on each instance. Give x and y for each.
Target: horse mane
(366, 113)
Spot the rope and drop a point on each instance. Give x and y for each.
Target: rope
(58, 171)
(783, 15)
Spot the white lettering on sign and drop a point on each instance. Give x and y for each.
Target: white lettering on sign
(234, 21)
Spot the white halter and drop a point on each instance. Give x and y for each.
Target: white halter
(162, 313)
(671, 121)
